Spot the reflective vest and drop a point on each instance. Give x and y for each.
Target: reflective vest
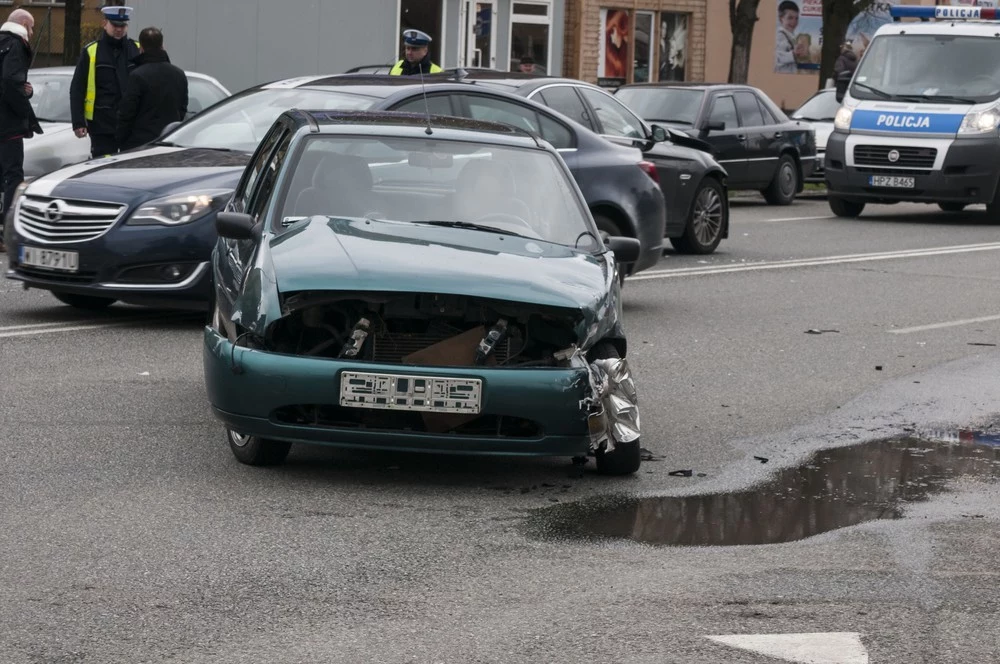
(398, 69)
(88, 101)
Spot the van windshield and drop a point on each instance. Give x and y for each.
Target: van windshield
(945, 69)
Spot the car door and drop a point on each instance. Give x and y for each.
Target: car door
(721, 129)
(250, 195)
(761, 160)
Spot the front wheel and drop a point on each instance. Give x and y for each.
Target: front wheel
(707, 221)
(843, 208)
(952, 207)
(257, 451)
(87, 302)
(625, 458)
(785, 184)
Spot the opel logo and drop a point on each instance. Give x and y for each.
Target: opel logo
(54, 212)
(894, 156)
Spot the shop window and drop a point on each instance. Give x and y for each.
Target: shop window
(643, 58)
(530, 36)
(673, 47)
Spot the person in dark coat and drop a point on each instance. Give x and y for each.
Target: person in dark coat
(157, 94)
(100, 79)
(844, 68)
(17, 118)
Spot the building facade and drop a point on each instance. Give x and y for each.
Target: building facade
(246, 42)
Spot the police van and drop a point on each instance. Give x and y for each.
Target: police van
(919, 118)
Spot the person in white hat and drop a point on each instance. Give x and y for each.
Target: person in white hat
(100, 80)
(416, 58)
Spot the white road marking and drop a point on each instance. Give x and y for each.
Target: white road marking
(812, 648)
(939, 326)
(34, 329)
(813, 262)
(826, 216)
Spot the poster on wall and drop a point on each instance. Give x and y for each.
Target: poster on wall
(612, 60)
(673, 46)
(799, 42)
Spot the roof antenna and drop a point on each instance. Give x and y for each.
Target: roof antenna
(423, 90)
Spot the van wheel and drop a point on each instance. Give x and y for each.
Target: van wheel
(88, 302)
(609, 228)
(706, 221)
(626, 458)
(257, 451)
(785, 184)
(952, 207)
(843, 208)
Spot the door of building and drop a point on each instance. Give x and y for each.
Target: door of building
(478, 30)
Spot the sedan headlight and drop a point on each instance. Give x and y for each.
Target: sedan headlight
(179, 209)
(842, 120)
(980, 122)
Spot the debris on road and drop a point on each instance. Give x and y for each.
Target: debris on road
(815, 331)
(762, 459)
(979, 343)
(681, 473)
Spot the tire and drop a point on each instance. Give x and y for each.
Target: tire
(257, 451)
(707, 220)
(847, 209)
(952, 207)
(608, 228)
(785, 184)
(626, 458)
(87, 302)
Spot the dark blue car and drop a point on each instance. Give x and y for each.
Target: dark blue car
(139, 227)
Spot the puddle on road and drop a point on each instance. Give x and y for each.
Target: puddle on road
(834, 489)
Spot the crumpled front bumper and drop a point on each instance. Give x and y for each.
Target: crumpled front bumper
(246, 387)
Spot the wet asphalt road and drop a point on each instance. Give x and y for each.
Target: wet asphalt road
(129, 533)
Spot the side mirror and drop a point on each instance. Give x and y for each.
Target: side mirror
(843, 80)
(236, 226)
(659, 134)
(169, 128)
(625, 249)
(718, 125)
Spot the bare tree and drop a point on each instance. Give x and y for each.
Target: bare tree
(71, 32)
(837, 17)
(742, 17)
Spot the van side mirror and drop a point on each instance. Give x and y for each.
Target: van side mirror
(843, 80)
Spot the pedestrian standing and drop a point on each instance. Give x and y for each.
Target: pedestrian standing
(100, 80)
(156, 95)
(17, 118)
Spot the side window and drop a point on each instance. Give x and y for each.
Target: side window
(438, 105)
(565, 100)
(615, 119)
(750, 115)
(521, 116)
(268, 176)
(724, 110)
(769, 117)
(245, 189)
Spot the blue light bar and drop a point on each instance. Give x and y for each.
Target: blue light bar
(946, 12)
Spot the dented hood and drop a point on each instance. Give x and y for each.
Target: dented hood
(324, 253)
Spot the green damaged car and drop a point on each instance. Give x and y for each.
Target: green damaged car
(418, 283)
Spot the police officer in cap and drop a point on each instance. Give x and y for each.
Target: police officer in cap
(416, 58)
(100, 80)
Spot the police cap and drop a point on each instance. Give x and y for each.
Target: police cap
(117, 14)
(416, 38)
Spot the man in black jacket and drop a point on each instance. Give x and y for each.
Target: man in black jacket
(17, 118)
(100, 79)
(157, 94)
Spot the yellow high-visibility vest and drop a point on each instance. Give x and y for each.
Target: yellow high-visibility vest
(88, 101)
(398, 69)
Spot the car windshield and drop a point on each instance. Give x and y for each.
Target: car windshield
(516, 191)
(671, 105)
(50, 99)
(240, 122)
(821, 107)
(932, 68)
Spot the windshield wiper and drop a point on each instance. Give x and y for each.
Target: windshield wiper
(802, 117)
(468, 225)
(881, 93)
(942, 98)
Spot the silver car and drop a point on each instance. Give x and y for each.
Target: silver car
(58, 146)
(819, 111)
